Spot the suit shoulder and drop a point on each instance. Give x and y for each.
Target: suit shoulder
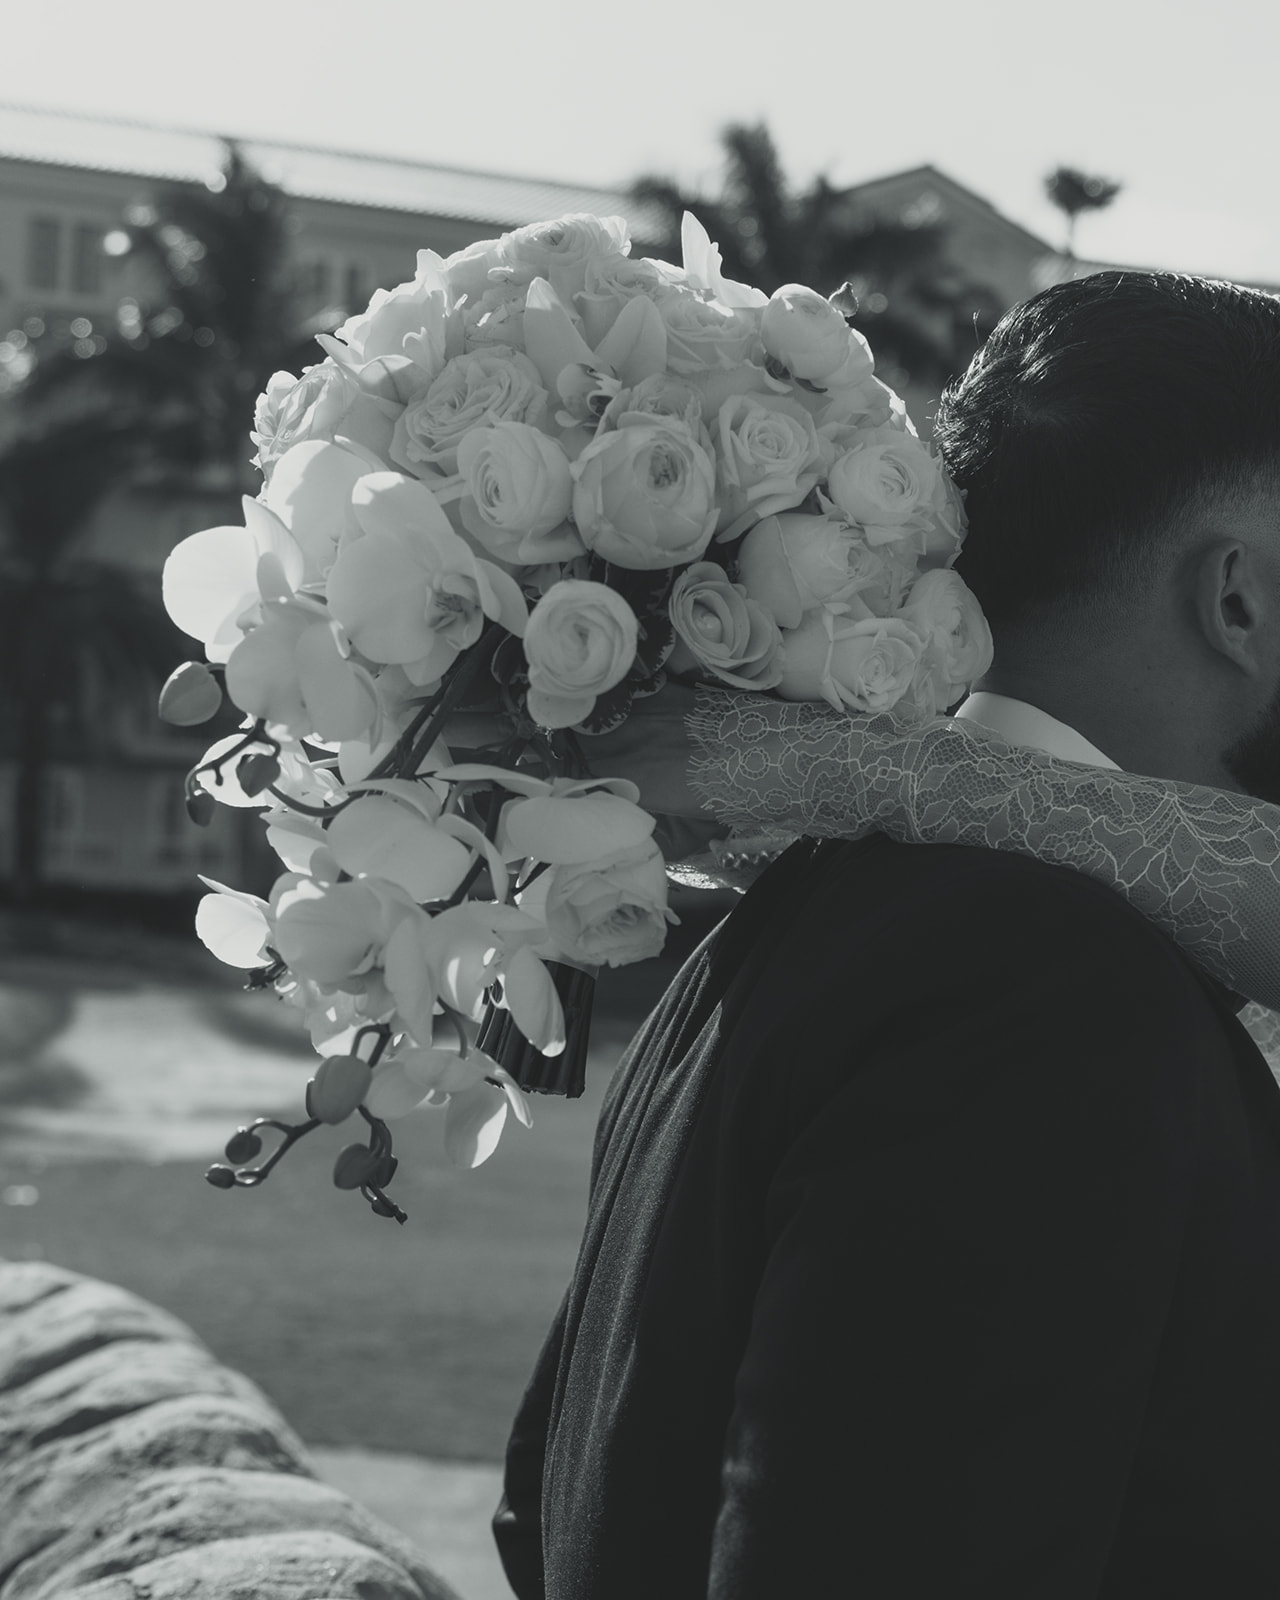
(986, 908)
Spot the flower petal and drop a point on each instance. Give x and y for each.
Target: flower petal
(473, 1124)
(340, 696)
(551, 341)
(209, 579)
(636, 346)
(533, 1002)
(310, 492)
(393, 1093)
(379, 838)
(564, 830)
(235, 928)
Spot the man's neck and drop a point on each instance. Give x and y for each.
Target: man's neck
(1144, 729)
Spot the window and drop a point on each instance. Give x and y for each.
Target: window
(314, 280)
(44, 252)
(86, 259)
(354, 296)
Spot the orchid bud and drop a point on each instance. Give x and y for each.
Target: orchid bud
(256, 772)
(200, 807)
(340, 1084)
(242, 1146)
(191, 695)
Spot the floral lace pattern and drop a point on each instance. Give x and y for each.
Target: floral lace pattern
(1202, 864)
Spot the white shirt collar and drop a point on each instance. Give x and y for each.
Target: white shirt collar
(1019, 723)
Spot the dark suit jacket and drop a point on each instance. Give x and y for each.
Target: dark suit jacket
(933, 1252)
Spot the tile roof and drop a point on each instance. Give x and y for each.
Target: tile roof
(109, 145)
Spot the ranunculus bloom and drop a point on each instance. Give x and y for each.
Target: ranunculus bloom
(494, 317)
(613, 911)
(519, 489)
(472, 391)
(862, 666)
(810, 337)
(327, 400)
(769, 458)
(410, 591)
(943, 608)
(886, 482)
(562, 250)
(580, 641)
(795, 562)
(722, 630)
(644, 496)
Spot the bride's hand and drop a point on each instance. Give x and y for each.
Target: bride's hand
(653, 749)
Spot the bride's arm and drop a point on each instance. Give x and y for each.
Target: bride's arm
(1201, 863)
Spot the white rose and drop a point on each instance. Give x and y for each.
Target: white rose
(611, 912)
(658, 396)
(945, 611)
(473, 270)
(472, 391)
(519, 489)
(722, 630)
(702, 334)
(769, 458)
(807, 335)
(327, 400)
(859, 666)
(888, 480)
(793, 563)
(608, 284)
(580, 642)
(644, 495)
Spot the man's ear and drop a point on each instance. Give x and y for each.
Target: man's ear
(1235, 603)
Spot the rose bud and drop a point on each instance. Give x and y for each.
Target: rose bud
(191, 695)
(859, 666)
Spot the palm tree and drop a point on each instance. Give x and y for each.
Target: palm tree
(922, 317)
(167, 396)
(218, 316)
(1073, 192)
(77, 636)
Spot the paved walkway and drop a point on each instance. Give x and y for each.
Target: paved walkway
(140, 1090)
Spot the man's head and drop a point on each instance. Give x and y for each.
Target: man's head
(1118, 441)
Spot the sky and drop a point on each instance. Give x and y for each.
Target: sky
(1174, 99)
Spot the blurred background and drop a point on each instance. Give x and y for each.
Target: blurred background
(184, 204)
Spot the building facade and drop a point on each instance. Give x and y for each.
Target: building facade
(67, 186)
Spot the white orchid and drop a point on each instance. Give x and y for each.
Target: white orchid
(409, 591)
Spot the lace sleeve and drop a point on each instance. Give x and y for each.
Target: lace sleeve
(1201, 863)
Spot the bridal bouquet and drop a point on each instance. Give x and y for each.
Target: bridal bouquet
(532, 481)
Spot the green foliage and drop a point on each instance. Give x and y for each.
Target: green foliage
(923, 317)
(1074, 192)
(219, 315)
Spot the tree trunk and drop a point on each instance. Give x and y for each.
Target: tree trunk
(29, 797)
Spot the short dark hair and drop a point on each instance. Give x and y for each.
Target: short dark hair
(1098, 418)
